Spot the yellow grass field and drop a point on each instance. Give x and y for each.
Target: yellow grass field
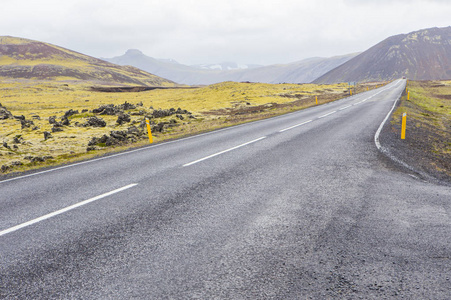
(212, 107)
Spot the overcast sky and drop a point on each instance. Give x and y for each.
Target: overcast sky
(209, 31)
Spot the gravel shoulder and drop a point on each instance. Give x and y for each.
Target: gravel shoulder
(426, 150)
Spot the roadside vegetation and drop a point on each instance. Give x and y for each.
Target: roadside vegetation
(428, 136)
(46, 123)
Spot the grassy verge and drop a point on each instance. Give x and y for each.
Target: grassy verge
(428, 135)
(24, 147)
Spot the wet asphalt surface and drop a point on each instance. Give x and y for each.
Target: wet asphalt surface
(276, 209)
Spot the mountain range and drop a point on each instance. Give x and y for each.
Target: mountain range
(419, 55)
(303, 71)
(28, 59)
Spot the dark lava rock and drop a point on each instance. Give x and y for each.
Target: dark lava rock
(69, 113)
(116, 137)
(18, 139)
(123, 118)
(52, 119)
(22, 117)
(127, 106)
(65, 121)
(161, 113)
(26, 123)
(57, 124)
(4, 113)
(56, 129)
(95, 122)
(47, 135)
(109, 110)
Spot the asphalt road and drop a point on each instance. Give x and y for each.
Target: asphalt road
(294, 207)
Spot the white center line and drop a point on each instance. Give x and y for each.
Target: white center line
(222, 152)
(295, 126)
(345, 107)
(332, 112)
(66, 209)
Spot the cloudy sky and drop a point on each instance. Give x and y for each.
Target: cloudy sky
(210, 31)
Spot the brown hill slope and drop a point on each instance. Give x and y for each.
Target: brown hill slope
(419, 55)
(28, 59)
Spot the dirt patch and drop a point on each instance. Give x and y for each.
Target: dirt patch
(133, 89)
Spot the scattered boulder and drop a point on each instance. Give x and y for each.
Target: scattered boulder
(4, 113)
(161, 113)
(47, 135)
(111, 109)
(116, 137)
(52, 119)
(18, 139)
(57, 124)
(26, 123)
(21, 117)
(65, 121)
(56, 129)
(106, 110)
(35, 159)
(159, 127)
(5, 145)
(4, 168)
(127, 106)
(69, 113)
(95, 122)
(36, 117)
(123, 118)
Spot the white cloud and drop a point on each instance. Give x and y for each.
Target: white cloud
(213, 31)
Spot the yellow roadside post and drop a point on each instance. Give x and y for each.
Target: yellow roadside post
(408, 95)
(149, 131)
(350, 92)
(403, 127)
(316, 99)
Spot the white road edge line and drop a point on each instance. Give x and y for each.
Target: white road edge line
(332, 112)
(376, 136)
(222, 152)
(297, 125)
(66, 209)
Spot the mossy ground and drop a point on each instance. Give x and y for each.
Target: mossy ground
(428, 130)
(215, 106)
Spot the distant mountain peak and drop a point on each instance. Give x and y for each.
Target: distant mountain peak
(419, 55)
(134, 52)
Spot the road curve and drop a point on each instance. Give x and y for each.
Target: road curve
(298, 206)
